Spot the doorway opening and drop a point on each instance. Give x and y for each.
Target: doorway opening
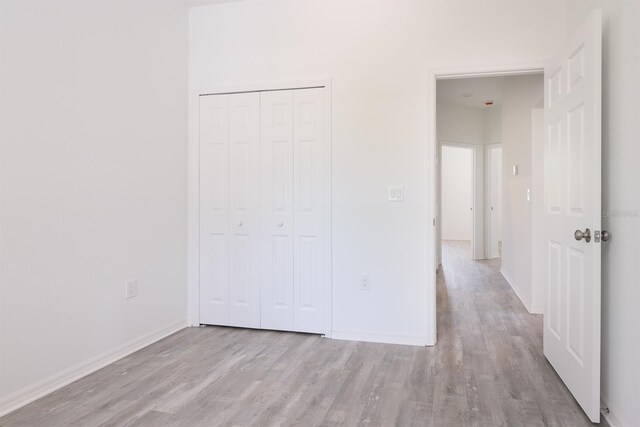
(457, 195)
(546, 251)
(488, 175)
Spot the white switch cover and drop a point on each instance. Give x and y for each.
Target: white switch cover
(515, 170)
(396, 193)
(365, 282)
(131, 288)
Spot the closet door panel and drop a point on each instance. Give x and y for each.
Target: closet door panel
(311, 286)
(214, 209)
(276, 140)
(244, 210)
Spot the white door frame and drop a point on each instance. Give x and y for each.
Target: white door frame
(474, 204)
(535, 67)
(193, 185)
(487, 191)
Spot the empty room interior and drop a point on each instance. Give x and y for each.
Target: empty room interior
(274, 212)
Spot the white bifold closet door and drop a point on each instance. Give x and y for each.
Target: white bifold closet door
(294, 187)
(276, 170)
(264, 217)
(229, 210)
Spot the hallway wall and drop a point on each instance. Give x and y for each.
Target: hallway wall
(521, 94)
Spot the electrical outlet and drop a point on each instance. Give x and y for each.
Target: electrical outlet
(365, 282)
(131, 288)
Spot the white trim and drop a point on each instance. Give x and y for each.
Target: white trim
(449, 73)
(610, 417)
(55, 382)
(516, 290)
(265, 86)
(442, 73)
(380, 338)
(193, 184)
(193, 213)
(328, 204)
(488, 235)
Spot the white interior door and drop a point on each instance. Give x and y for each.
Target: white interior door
(277, 209)
(572, 191)
(214, 209)
(310, 189)
(244, 210)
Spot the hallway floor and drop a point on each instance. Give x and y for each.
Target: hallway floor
(486, 370)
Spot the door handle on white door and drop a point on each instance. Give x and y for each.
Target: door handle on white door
(586, 235)
(280, 224)
(240, 224)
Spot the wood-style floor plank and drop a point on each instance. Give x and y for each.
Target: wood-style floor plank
(486, 370)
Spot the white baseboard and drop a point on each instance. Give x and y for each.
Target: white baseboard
(514, 286)
(610, 417)
(41, 388)
(379, 338)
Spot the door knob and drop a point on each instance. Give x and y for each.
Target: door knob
(280, 224)
(240, 224)
(605, 236)
(586, 235)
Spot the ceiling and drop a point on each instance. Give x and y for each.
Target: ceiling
(482, 89)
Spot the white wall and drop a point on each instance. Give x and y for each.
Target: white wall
(620, 151)
(457, 193)
(521, 94)
(378, 55)
(493, 125)
(465, 125)
(460, 124)
(93, 185)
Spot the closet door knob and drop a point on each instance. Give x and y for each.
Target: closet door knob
(240, 224)
(281, 224)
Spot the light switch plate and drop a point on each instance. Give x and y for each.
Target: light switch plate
(515, 170)
(396, 193)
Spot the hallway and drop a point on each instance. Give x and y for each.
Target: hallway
(486, 370)
(492, 348)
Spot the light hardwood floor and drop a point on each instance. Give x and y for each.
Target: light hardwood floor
(487, 370)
